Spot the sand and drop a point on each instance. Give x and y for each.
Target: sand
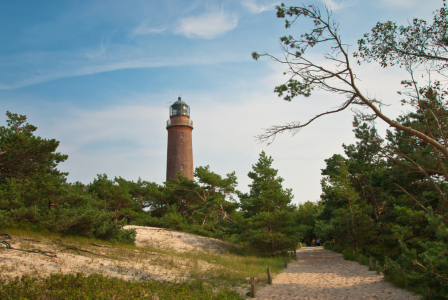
(175, 241)
(317, 274)
(322, 274)
(151, 259)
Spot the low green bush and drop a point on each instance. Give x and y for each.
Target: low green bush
(97, 286)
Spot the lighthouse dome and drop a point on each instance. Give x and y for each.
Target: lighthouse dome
(179, 108)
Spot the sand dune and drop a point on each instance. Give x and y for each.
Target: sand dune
(128, 264)
(176, 241)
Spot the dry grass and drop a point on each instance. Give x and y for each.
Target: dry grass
(228, 267)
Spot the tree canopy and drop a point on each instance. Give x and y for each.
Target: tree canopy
(408, 46)
(386, 197)
(22, 154)
(270, 217)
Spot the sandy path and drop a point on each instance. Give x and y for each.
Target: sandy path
(322, 274)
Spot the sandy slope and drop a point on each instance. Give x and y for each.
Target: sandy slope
(128, 264)
(170, 240)
(322, 274)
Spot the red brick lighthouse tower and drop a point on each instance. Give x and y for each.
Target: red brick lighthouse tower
(180, 147)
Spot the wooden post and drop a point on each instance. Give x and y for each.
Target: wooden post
(371, 264)
(289, 255)
(295, 254)
(269, 277)
(252, 287)
(354, 254)
(360, 258)
(377, 268)
(286, 263)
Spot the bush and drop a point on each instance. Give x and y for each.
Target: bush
(172, 219)
(97, 286)
(125, 236)
(147, 220)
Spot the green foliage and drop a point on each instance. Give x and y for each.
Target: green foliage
(386, 197)
(69, 212)
(22, 154)
(414, 44)
(307, 214)
(34, 193)
(147, 220)
(149, 195)
(427, 262)
(172, 218)
(351, 217)
(98, 286)
(323, 229)
(116, 197)
(269, 216)
(204, 206)
(380, 198)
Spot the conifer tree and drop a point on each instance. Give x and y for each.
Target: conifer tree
(22, 154)
(270, 225)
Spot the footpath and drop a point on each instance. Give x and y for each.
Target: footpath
(323, 274)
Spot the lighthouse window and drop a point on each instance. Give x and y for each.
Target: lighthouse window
(181, 167)
(181, 135)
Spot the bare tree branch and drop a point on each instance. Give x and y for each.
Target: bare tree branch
(412, 197)
(295, 126)
(341, 79)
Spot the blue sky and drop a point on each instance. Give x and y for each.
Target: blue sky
(97, 76)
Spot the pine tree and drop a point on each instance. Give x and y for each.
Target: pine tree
(270, 225)
(22, 154)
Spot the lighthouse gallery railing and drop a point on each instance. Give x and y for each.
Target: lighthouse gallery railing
(179, 122)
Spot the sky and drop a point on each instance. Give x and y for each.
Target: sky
(98, 76)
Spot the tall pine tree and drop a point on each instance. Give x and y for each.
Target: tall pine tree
(270, 225)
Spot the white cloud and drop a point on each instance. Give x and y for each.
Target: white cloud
(207, 25)
(144, 29)
(333, 5)
(95, 53)
(400, 3)
(125, 140)
(25, 69)
(255, 8)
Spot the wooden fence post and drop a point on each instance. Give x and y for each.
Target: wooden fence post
(354, 254)
(377, 268)
(269, 276)
(252, 287)
(371, 264)
(295, 254)
(289, 255)
(286, 263)
(360, 258)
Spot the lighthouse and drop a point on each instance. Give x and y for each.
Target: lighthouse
(180, 146)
